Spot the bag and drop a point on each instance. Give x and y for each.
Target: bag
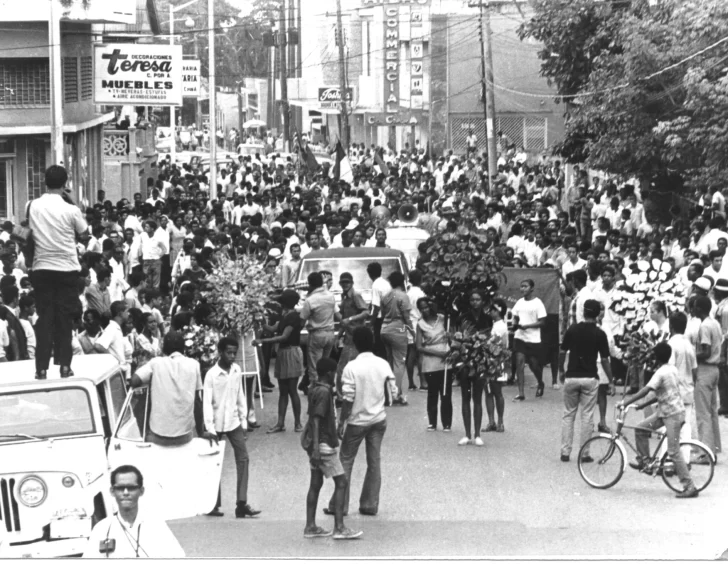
(23, 236)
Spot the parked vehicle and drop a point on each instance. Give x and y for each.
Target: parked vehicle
(59, 441)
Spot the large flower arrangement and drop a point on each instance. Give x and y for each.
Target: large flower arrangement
(201, 344)
(238, 290)
(481, 354)
(645, 282)
(459, 262)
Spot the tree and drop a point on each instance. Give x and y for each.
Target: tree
(640, 93)
(239, 49)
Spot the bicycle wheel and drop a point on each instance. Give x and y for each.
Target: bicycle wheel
(700, 465)
(604, 464)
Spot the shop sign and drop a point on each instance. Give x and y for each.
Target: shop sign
(138, 74)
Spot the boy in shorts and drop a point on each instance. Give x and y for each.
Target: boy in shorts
(670, 413)
(323, 457)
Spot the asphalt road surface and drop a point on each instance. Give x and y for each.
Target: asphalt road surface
(512, 497)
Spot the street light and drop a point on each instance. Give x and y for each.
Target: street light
(189, 24)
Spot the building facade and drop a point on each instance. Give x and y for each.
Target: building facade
(25, 97)
(413, 71)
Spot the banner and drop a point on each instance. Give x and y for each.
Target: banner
(138, 74)
(191, 79)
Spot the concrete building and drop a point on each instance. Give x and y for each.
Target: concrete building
(25, 96)
(414, 70)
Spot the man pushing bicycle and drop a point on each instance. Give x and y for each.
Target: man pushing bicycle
(670, 413)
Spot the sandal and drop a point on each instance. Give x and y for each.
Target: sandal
(489, 428)
(298, 428)
(276, 429)
(519, 397)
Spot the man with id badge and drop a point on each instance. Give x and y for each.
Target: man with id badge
(130, 533)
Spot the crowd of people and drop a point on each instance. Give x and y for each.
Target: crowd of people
(126, 278)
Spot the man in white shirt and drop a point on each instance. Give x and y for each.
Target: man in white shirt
(225, 411)
(129, 533)
(574, 263)
(289, 267)
(153, 248)
(365, 383)
(686, 363)
(55, 222)
(380, 288)
(578, 279)
(112, 339)
(529, 315)
(414, 294)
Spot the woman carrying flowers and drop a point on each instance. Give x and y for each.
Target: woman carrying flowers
(470, 343)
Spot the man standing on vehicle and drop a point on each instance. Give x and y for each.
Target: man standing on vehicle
(289, 267)
(318, 311)
(129, 533)
(225, 410)
(353, 313)
(55, 221)
(176, 388)
(366, 382)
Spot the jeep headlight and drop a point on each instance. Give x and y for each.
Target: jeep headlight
(32, 491)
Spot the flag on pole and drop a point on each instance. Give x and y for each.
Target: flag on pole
(306, 155)
(379, 162)
(342, 167)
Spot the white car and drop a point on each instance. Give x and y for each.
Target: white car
(59, 441)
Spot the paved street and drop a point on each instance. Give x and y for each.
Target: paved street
(511, 498)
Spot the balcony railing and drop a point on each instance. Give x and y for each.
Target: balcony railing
(132, 145)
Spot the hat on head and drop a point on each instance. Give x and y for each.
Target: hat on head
(721, 285)
(290, 225)
(352, 225)
(696, 262)
(275, 225)
(703, 283)
(274, 253)
(343, 277)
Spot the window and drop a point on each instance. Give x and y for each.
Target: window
(356, 266)
(117, 387)
(50, 413)
(36, 167)
(133, 419)
(87, 78)
(70, 79)
(24, 82)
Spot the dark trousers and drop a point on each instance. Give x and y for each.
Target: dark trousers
(379, 348)
(237, 441)
(353, 436)
(436, 389)
(723, 387)
(56, 301)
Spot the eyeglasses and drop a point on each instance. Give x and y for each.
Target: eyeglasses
(122, 488)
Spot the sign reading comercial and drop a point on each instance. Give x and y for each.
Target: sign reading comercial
(138, 74)
(191, 79)
(330, 96)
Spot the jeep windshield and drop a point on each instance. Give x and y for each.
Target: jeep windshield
(356, 266)
(43, 414)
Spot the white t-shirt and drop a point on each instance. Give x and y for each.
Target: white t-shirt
(55, 224)
(529, 312)
(112, 339)
(684, 360)
(380, 288)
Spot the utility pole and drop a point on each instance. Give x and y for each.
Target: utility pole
(54, 40)
(342, 79)
(198, 102)
(282, 42)
(486, 57)
(213, 109)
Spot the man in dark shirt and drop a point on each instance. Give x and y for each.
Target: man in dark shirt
(323, 459)
(353, 312)
(585, 342)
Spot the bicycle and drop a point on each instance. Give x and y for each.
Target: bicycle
(603, 458)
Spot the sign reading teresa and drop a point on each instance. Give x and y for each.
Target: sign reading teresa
(139, 75)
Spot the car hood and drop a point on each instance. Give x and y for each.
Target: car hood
(84, 457)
